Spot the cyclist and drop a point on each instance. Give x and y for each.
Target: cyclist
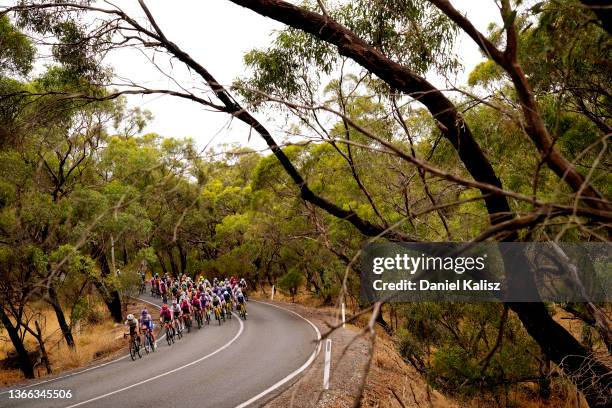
(175, 290)
(243, 286)
(165, 317)
(241, 300)
(163, 290)
(186, 309)
(176, 314)
(197, 305)
(147, 323)
(134, 327)
(227, 297)
(216, 303)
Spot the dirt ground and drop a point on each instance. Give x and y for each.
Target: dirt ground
(389, 381)
(95, 344)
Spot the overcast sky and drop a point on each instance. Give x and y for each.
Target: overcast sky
(217, 33)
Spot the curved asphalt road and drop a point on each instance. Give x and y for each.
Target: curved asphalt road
(216, 366)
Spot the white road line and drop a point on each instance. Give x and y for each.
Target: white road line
(85, 370)
(226, 345)
(304, 366)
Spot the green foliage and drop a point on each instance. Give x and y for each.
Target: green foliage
(16, 50)
(291, 282)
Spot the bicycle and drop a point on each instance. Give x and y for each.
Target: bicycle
(143, 288)
(134, 345)
(187, 320)
(149, 344)
(228, 307)
(207, 315)
(218, 314)
(198, 316)
(242, 310)
(177, 328)
(169, 333)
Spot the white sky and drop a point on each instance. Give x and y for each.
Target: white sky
(217, 33)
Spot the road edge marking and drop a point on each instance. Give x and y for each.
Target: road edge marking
(81, 371)
(295, 373)
(226, 345)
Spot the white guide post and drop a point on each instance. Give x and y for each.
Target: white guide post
(272, 296)
(343, 315)
(327, 367)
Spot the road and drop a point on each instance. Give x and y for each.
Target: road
(237, 364)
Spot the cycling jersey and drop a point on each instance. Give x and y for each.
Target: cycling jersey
(240, 298)
(176, 311)
(166, 315)
(132, 324)
(196, 303)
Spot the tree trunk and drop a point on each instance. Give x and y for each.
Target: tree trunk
(556, 342)
(25, 364)
(183, 256)
(162, 263)
(113, 255)
(125, 253)
(383, 323)
(43, 350)
(61, 319)
(110, 296)
(563, 349)
(173, 267)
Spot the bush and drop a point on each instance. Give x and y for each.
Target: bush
(290, 282)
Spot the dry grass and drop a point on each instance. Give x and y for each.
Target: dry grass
(391, 380)
(94, 342)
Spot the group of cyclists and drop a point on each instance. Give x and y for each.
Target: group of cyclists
(189, 300)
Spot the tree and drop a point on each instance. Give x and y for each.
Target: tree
(448, 152)
(291, 282)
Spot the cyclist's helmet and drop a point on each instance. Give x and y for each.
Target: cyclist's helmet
(164, 307)
(130, 317)
(144, 312)
(174, 301)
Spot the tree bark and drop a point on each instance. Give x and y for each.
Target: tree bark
(183, 257)
(602, 10)
(449, 120)
(25, 364)
(173, 267)
(162, 263)
(43, 350)
(61, 318)
(110, 296)
(555, 341)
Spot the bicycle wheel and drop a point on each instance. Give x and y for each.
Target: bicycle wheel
(169, 336)
(133, 350)
(147, 344)
(179, 332)
(152, 342)
(138, 350)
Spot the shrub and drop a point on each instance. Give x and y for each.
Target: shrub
(290, 282)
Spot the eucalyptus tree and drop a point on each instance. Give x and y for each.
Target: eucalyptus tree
(385, 40)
